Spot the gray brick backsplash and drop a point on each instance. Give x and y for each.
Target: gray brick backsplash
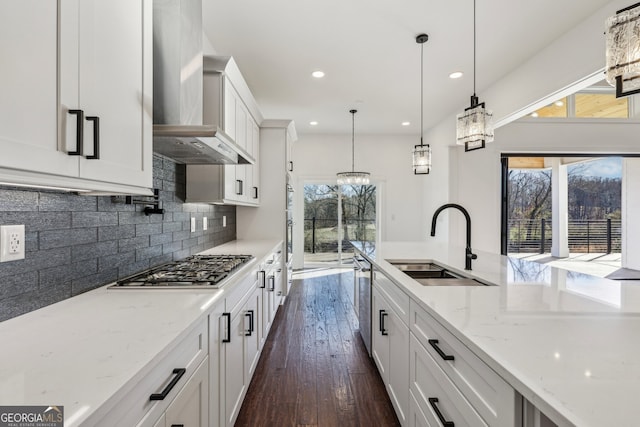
(148, 253)
(77, 243)
(61, 202)
(94, 250)
(93, 219)
(116, 232)
(17, 200)
(147, 229)
(37, 221)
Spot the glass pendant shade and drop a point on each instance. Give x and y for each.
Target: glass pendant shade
(421, 159)
(474, 126)
(352, 177)
(623, 51)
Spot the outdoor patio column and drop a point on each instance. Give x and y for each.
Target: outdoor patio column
(630, 213)
(559, 209)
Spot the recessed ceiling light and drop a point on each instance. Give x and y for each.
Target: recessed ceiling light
(318, 74)
(406, 123)
(534, 114)
(455, 75)
(559, 103)
(313, 123)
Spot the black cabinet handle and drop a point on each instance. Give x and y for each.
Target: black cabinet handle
(255, 192)
(178, 372)
(443, 421)
(251, 322)
(250, 315)
(177, 425)
(383, 330)
(290, 166)
(239, 189)
(272, 282)
(434, 344)
(96, 137)
(228, 316)
(79, 132)
(263, 279)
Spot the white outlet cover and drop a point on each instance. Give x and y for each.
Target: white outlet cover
(11, 242)
(224, 220)
(193, 225)
(204, 223)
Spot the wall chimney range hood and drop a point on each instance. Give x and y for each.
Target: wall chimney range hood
(181, 130)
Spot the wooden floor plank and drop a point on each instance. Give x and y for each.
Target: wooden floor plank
(314, 369)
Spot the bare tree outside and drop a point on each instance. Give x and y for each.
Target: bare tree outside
(358, 207)
(594, 196)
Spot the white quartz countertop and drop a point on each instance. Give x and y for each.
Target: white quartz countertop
(79, 353)
(568, 342)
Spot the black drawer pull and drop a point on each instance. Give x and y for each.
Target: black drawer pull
(290, 166)
(263, 279)
(250, 315)
(79, 132)
(228, 316)
(255, 192)
(434, 344)
(251, 322)
(239, 187)
(445, 423)
(383, 330)
(96, 137)
(178, 372)
(177, 425)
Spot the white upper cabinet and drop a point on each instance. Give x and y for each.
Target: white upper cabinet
(79, 80)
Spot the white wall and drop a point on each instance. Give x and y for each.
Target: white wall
(387, 158)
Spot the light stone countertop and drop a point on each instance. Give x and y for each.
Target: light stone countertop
(80, 352)
(568, 342)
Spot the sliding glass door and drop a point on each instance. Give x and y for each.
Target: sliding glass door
(335, 216)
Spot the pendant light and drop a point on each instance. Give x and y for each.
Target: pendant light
(421, 153)
(623, 50)
(475, 124)
(353, 178)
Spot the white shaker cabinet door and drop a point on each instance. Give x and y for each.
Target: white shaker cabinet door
(28, 84)
(115, 45)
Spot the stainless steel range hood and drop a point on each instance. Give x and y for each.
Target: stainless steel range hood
(181, 131)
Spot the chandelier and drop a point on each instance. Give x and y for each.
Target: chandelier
(421, 153)
(623, 51)
(475, 125)
(353, 177)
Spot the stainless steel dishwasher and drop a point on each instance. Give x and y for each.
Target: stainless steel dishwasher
(362, 274)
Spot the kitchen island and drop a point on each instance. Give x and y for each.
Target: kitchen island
(565, 341)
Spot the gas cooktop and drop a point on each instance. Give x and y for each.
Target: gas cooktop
(194, 271)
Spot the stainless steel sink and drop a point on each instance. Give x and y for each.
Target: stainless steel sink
(428, 273)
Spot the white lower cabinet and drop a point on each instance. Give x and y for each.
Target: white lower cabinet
(416, 417)
(190, 406)
(390, 351)
(460, 373)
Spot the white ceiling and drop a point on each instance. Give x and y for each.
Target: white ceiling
(368, 51)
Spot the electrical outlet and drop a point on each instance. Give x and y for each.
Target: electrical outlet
(224, 220)
(193, 225)
(204, 223)
(11, 242)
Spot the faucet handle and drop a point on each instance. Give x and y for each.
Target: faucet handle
(473, 256)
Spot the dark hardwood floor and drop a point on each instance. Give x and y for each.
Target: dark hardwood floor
(314, 369)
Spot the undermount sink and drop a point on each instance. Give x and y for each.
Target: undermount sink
(427, 273)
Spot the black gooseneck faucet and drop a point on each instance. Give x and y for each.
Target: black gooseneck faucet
(468, 255)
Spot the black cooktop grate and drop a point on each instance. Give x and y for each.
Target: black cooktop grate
(197, 270)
